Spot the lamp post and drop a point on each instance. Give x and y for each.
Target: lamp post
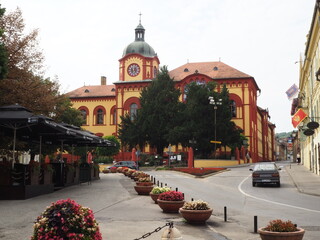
(215, 104)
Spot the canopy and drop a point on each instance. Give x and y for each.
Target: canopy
(29, 127)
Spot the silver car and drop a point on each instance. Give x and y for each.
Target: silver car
(265, 173)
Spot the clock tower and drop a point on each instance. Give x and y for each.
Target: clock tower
(139, 61)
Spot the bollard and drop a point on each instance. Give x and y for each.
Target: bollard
(225, 214)
(176, 189)
(191, 199)
(171, 233)
(154, 180)
(158, 183)
(161, 184)
(255, 224)
(151, 178)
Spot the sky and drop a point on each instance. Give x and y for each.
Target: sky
(83, 40)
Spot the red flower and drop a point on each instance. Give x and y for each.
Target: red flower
(171, 196)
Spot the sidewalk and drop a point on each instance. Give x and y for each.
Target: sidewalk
(306, 181)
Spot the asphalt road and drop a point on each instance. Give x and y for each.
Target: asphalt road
(122, 214)
(233, 189)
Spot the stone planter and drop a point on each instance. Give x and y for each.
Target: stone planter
(196, 216)
(267, 235)
(143, 190)
(154, 197)
(170, 206)
(144, 183)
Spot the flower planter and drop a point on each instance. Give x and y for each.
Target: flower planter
(154, 197)
(143, 190)
(113, 170)
(144, 183)
(196, 216)
(267, 235)
(170, 206)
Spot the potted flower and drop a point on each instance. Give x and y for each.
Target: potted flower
(144, 181)
(144, 186)
(156, 191)
(281, 230)
(66, 219)
(196, 211)
(170, 201)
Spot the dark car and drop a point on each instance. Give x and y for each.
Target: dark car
(265, 173)
(128, 164)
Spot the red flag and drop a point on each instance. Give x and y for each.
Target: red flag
(298, 117)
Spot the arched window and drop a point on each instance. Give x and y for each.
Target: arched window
(99, 117)
(114, 116)
(233, 108)
(133, 111)
(155, 72)
(84, 116)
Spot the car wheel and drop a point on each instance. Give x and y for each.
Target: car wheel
(278, 184)
(253, 184)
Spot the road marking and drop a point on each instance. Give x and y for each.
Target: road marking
(273, 202)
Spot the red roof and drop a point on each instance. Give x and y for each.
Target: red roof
(93, 91)
(215, 70)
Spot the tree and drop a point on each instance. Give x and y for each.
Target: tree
(24, 82)
(64, 112)
(109, 151)
(156, 119)
(130, 132)
(200, 117)
(3, 52)
(160, 107)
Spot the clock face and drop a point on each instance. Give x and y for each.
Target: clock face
(133, 69)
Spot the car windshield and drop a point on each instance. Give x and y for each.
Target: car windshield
(264, 167)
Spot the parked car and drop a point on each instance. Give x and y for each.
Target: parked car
(265, 173)
(128, 164)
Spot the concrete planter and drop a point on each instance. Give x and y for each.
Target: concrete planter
(144, 183)
(143, 190)
(196, 216)
(267, 235)
(170, 206)
(154, 197)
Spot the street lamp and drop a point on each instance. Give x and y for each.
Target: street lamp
(215, 104)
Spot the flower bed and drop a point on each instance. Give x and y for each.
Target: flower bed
(199, 171)
(66, 219)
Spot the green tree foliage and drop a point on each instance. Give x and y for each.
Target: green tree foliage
(3, 52)
(156, 119)
(199, 117)
(25, 82)
(64, 112)
(160, 107)
(130, 132)
(109, 151)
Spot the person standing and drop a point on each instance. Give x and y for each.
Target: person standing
(298, 158)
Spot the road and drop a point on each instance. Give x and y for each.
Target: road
(233, 189)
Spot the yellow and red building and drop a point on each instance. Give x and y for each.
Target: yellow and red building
(102, 105)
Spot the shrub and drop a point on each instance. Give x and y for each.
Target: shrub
(171, 196)
(281, 226)
(158, 190)
(196, 205)
(65, 219)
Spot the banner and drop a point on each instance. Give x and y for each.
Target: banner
(292, 91)
(298, 117)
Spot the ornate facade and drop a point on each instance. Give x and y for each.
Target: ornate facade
(103, 105)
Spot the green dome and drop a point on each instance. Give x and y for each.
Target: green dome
(142, 48)
(139, 45)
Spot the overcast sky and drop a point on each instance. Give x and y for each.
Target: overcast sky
(84, 39)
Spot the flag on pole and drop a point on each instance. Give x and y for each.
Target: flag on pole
(298, 117)
(292, 91)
